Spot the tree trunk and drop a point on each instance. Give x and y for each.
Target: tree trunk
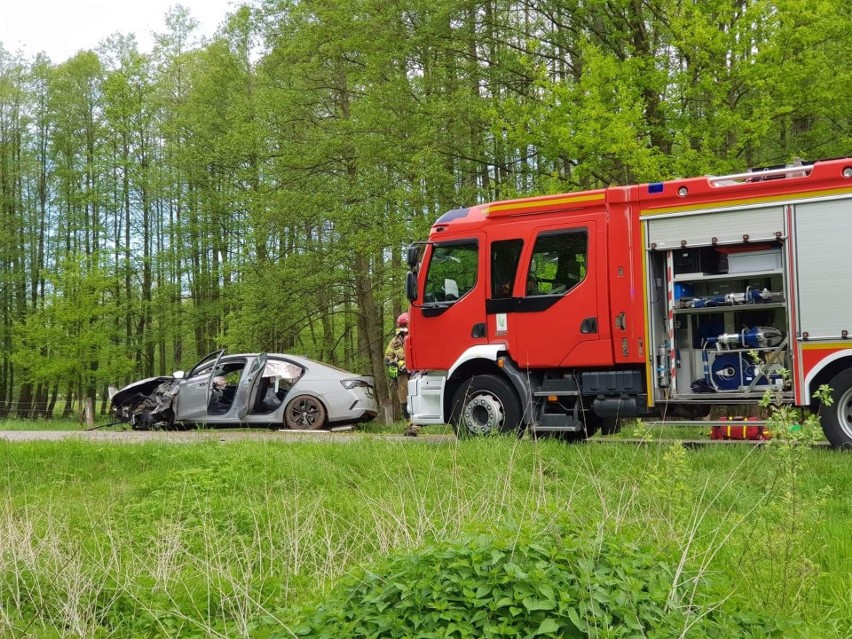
(51, 404)
(68, 410)
(371, 331)
(25, 401)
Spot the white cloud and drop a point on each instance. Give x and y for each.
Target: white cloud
(61, 28)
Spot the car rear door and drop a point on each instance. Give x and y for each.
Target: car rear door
(247, 390)
(194, 390)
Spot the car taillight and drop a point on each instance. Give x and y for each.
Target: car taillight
(354, 383)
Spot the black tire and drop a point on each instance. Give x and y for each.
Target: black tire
(485, 405)
(305, 413)
(837, 418)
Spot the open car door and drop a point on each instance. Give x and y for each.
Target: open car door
(194, 394)
(247, 390)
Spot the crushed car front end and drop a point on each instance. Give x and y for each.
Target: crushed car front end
(146, 404)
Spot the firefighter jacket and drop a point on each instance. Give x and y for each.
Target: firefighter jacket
(395, 352)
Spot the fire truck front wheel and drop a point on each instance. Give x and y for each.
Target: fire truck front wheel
(837, 418)
(485, 405)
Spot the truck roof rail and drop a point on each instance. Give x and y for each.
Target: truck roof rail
(800, 168)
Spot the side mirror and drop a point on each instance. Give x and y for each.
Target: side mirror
(412, 255)
(178, 374)
(411, 286)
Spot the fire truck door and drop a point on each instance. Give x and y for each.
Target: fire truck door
(505, 257)
(557, 320)
(451, 317)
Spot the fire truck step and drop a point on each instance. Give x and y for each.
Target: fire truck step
(544, 393)
(551, 425)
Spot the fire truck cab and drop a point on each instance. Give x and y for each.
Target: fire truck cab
(564, 313)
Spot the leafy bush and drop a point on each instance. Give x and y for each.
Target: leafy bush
(559, 583)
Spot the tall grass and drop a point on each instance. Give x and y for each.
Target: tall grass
(231, 541)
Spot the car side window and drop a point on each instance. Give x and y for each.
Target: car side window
(204, 370)
(232, 377)
(205, 365)
(558, 262)
(283, 373)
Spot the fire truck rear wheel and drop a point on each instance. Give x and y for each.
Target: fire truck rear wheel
(837, 418)
(485, 405)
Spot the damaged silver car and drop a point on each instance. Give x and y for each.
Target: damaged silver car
(270, 389)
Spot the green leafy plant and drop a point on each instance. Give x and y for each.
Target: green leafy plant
(791, 521)
(640, 430)
(560, 582)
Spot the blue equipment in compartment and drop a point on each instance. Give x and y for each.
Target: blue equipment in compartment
(733, 370)
(726, 371)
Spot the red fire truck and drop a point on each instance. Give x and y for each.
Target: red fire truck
(563, 313)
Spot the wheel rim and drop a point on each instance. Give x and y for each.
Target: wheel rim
(844, 412)
(483, 414)
(304, 413)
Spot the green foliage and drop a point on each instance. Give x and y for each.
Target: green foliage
(792, 519)
(242, 539)
(514, 583)
(73, 339)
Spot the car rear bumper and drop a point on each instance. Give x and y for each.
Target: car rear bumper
(359, 407)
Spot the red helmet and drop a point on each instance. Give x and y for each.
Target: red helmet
(402, 320)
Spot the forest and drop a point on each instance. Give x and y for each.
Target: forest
(256, 190)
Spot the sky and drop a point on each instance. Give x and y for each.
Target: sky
(61, 28)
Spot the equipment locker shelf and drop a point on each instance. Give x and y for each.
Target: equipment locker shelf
(692, 277)
(745, 308)
(721, 336)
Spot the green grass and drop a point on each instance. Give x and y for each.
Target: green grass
(211, 540)
(45, 424)
(72, 425)
(629, 431)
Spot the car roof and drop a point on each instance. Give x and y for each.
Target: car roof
(301, 360)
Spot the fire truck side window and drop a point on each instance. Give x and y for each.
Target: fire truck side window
(558, 262)
(452, 272)
(505, 256)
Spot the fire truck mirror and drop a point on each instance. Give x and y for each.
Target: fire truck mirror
(412, 255)
(411, 286)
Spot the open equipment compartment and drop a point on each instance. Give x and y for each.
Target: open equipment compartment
(718, 310)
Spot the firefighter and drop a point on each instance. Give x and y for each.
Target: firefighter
(395, 362)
